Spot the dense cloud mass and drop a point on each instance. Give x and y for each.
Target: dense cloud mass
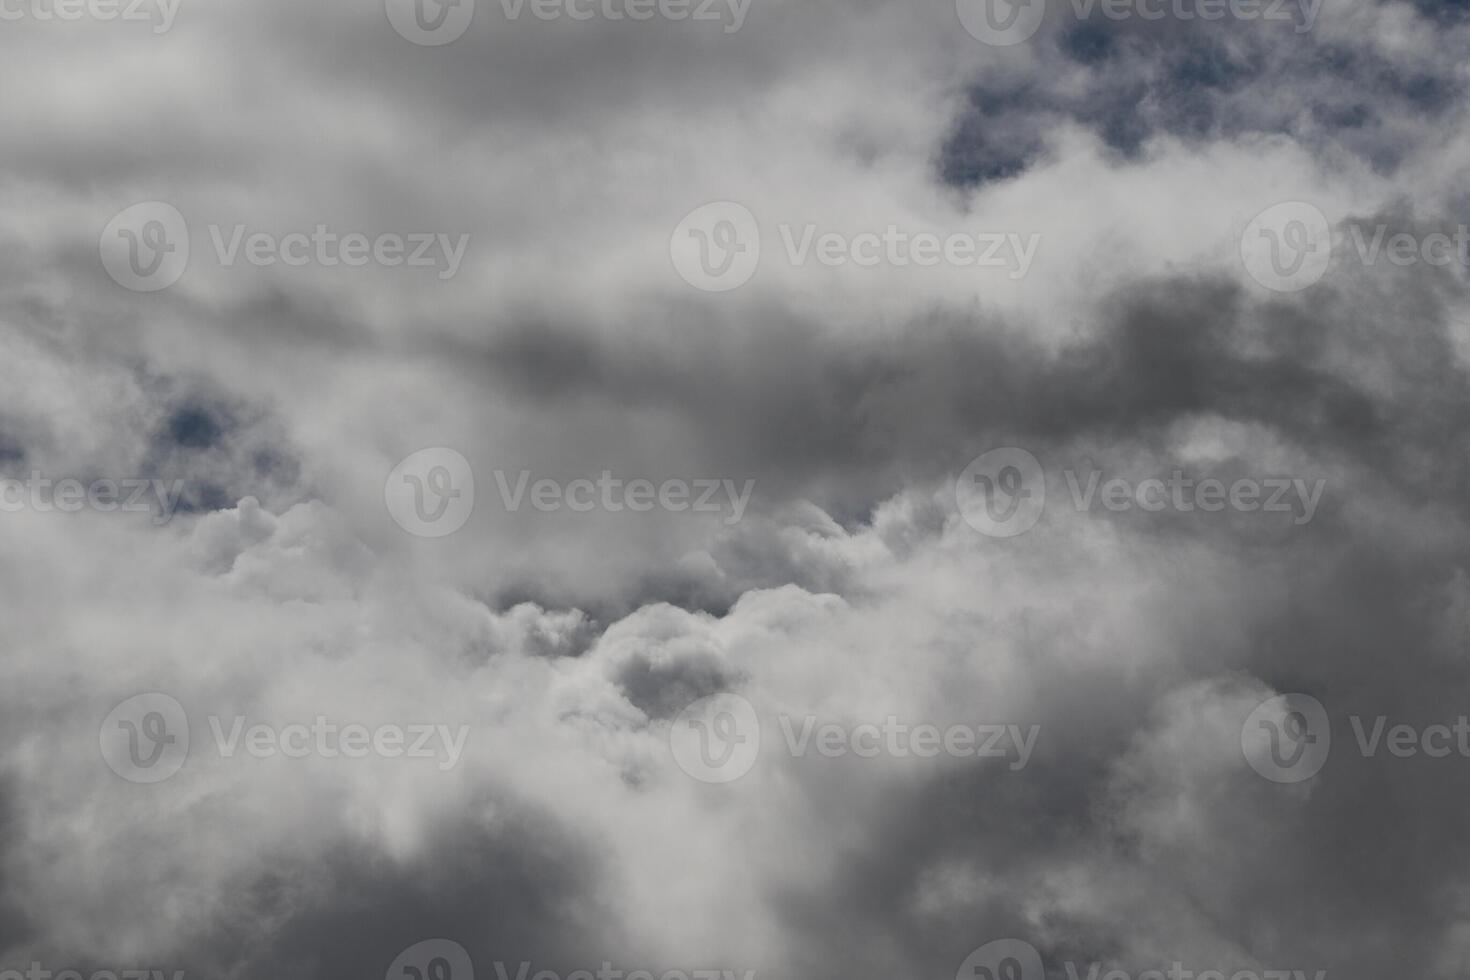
(787, 488)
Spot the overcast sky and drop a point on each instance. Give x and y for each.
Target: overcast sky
(795, 486)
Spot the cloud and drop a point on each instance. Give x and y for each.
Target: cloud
(851, 592)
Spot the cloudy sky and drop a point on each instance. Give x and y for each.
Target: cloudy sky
(803, 489)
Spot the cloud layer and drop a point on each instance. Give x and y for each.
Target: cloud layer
(853, 589)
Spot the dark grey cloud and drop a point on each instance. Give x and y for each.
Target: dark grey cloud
(526, 889)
